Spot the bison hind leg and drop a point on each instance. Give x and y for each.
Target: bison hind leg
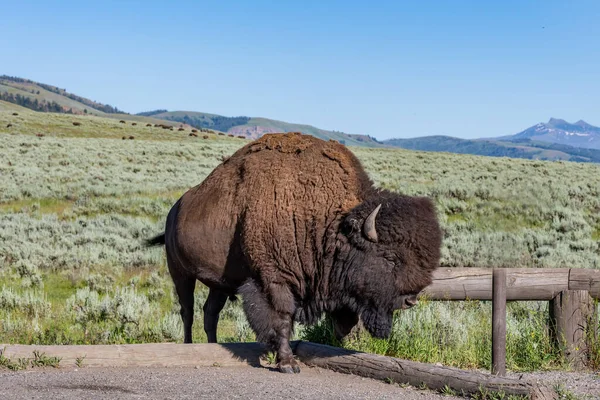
(271, 327)
(212, 308)
(184, 286)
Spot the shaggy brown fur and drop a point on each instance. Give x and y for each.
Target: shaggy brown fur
(282, 222)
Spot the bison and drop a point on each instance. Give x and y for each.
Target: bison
(15, 114)
(133, 123)
(295, 226)
(122, 122)
(9, 125)
(76, 123)
(181, 129)
(148, 125)
(194, 130)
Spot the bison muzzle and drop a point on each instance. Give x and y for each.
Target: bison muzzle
(295, 226)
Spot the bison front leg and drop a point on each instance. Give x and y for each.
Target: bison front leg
(272, 325)
(285, 357)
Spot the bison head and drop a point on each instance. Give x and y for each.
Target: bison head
(389, 248)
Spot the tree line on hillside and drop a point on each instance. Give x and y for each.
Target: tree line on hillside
(34, 104)
(217, 122)
(63, 92)
(151, 113)
(512, 149)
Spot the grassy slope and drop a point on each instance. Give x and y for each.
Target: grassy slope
(61, 125)
(6, 106)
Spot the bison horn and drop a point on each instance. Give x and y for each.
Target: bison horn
(369, 226)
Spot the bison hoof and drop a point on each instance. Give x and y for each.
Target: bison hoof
(292, 368)
(286, 369)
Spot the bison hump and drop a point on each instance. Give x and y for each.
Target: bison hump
(293, 142)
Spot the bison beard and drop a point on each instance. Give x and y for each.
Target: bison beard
(294, 225)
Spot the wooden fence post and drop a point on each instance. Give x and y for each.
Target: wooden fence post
(570, 311)
(499, 322)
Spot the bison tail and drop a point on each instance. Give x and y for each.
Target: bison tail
(157, 240)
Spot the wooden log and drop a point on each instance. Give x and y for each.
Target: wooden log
(146, 355)
(476, 284)
(570, 312)
(415, 373)
(499, 322)
(585, 279)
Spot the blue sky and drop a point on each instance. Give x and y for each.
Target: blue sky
(388, 69)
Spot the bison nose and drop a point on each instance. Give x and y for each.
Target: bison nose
(410, 301)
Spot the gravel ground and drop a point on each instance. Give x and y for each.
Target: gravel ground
(201, 383)
(235, 383)
(584, 385)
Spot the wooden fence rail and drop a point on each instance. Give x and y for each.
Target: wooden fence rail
(521, 283)
(570, 292)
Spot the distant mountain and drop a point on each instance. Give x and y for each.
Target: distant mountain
(518, 148)
(579, 134)
(256, 127)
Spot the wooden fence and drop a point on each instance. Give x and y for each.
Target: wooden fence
(570, 291)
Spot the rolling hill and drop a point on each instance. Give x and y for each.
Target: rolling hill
(255, 127)
(47, 98)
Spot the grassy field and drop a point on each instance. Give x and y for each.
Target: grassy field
(76, 204)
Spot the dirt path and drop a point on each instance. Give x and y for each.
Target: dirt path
(201, 383)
